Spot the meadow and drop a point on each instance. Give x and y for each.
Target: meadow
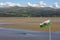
(30, 23)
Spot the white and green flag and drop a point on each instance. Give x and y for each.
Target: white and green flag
(45, 24)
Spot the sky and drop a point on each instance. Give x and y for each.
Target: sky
(24, 2)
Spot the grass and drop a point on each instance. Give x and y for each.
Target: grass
(30, 23)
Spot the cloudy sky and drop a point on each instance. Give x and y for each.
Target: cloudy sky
(32, 3)
(24, 2)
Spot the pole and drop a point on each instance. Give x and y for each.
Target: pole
(49, 33)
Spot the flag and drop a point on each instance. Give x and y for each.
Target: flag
(45, 24)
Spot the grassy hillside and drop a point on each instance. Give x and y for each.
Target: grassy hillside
(29, 12)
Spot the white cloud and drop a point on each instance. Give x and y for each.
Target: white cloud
(42, 4)
(2, 4)
(32, 5)
(56, 5)
(39, 4)
(12, 4)
(9, 4)
(29, 4)
(18, 4)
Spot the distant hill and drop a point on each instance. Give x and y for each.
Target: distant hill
(29, 12)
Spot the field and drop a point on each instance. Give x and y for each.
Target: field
(30, 23)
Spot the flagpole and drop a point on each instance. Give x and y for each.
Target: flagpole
(49, 33)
